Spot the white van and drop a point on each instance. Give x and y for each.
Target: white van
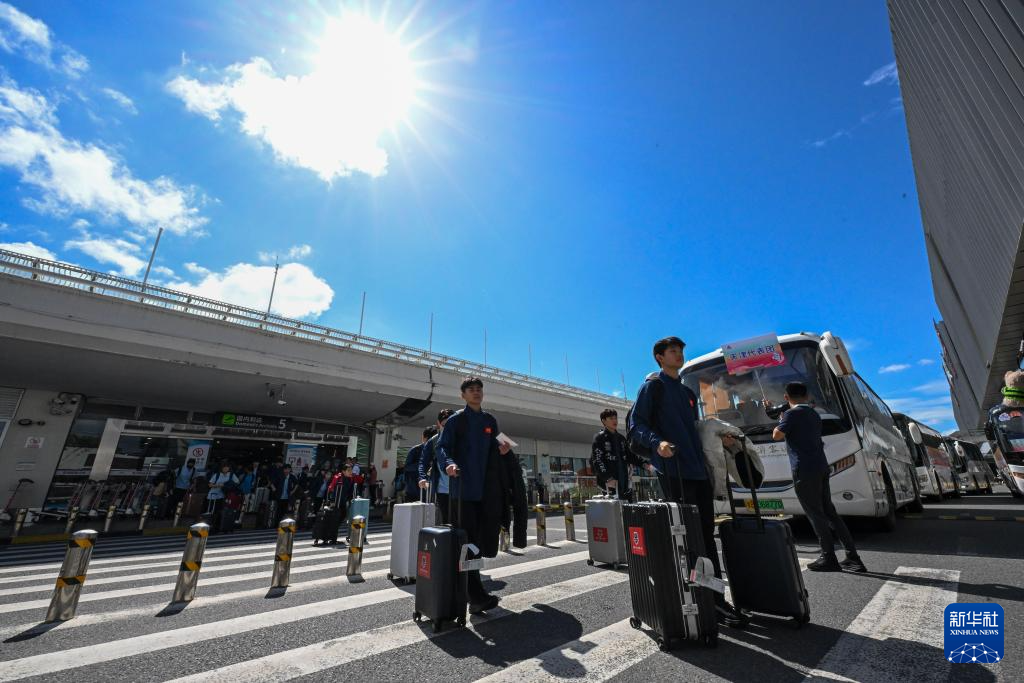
(871, 467)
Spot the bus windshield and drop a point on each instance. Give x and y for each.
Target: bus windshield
(739, 399)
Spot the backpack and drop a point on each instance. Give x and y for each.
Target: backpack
(637, 446)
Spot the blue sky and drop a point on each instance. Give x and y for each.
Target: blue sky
(582, 179)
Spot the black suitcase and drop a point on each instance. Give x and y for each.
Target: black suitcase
(442, 592)
(325, 527)
(666, 558)
(226, 519)
(762, 566)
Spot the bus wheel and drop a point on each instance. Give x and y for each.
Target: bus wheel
(888, 523)
(916, 505)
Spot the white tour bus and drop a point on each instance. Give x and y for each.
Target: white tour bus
(871, 467)
(1008, 450)
(936, 476)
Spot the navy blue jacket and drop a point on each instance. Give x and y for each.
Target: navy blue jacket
(412, 468)
(674, 419)
(469, 440)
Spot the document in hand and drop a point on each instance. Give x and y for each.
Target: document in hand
(502, 439)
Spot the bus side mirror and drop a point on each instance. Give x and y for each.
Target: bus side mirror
(915, 433)
(838, 358)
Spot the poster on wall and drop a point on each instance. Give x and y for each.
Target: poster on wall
(200, 450)
(299, 455)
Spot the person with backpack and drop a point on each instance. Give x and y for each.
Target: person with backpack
(183, 477)
(473, 459)
(412, 465)
(662, 426)
(610, 457)
(222, 485)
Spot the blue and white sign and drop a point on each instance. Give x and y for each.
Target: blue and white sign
(974, 633)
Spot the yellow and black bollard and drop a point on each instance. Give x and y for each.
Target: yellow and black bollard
(72, 575)
(355, 548)
(542, 525)
(72, 518)
(283, 554)
(570, 523)
(191, 561)
(503, 544)
(144, 516)
(110, 518)
(177, 513)
(19, 521)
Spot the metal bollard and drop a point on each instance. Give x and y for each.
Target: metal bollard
(72, 575)
(283, 553)
(143, 516)
(177, 513)
(72, 518)
(503, 544)
(355, 549)
(110, 518)
(570, 523)
(542, 525)
(19, 521)
(191, 561)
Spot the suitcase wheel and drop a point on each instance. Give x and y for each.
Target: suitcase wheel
(590, 562)
(417, 617)
(800, 621)
(461, 621)
(664, 645)
(634, 622)
(391, 576)
(437, 626)
(711, 640)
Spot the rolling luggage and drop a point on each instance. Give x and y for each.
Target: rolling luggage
(325, 527)
(226, 519)
(605, 535)
(408, 519)
(762, 566)
(442, 592)
(670, 576)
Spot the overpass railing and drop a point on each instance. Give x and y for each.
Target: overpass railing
(104, 284)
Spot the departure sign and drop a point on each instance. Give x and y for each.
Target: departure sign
(242, 421)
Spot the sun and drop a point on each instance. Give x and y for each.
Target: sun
(367, 70)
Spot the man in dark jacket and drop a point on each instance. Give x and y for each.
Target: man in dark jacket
(285, 490)
(665, 418)
(412, 465)
(610, 457)
(430, 474)
(473, 460)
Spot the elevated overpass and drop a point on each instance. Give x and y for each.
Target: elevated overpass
(66, 329)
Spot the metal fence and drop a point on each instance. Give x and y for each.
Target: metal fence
(75, 277)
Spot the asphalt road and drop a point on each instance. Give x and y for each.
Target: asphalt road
(559, 618)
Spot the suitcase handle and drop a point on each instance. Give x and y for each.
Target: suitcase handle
(452, 522)
(753, 489)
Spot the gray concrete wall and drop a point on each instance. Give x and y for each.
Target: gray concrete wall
(22, 456)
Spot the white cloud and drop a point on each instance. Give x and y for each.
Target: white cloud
(29, 37)
(118, 252)
(329, 120)
(163, 270)
(939, 386)
(884, 74)
(75, 177)
(926, 361)
(29, 249)
(299, 292)
(296, 252)
(895, 367)
(120, 98)
(936, 411)
(617, 392)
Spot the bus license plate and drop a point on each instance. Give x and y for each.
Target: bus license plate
(765, 504)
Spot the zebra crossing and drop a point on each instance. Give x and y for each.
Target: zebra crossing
(558, 619)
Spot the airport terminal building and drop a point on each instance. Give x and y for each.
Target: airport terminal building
(101, 381)
(961, 71)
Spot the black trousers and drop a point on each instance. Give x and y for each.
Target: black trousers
(177, 495)
(815, 496)
(697, 492)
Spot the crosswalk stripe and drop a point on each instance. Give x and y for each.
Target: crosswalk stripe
(208, 581)
(178, 543)
(597, 656)
(902, 611)
(62, 660)
(310, 659)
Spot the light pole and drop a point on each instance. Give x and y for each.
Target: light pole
(152, 255)
(273, 286)
(362, 311)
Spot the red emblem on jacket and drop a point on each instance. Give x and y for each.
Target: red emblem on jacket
(487, 430)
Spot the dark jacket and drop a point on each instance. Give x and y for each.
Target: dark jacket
(294, 490)
(412, 468)
(672, 418)
(610, 458)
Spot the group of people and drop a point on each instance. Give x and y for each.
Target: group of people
(462, 456)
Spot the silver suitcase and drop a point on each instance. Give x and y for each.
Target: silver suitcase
(408, 519)
(605, 536)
